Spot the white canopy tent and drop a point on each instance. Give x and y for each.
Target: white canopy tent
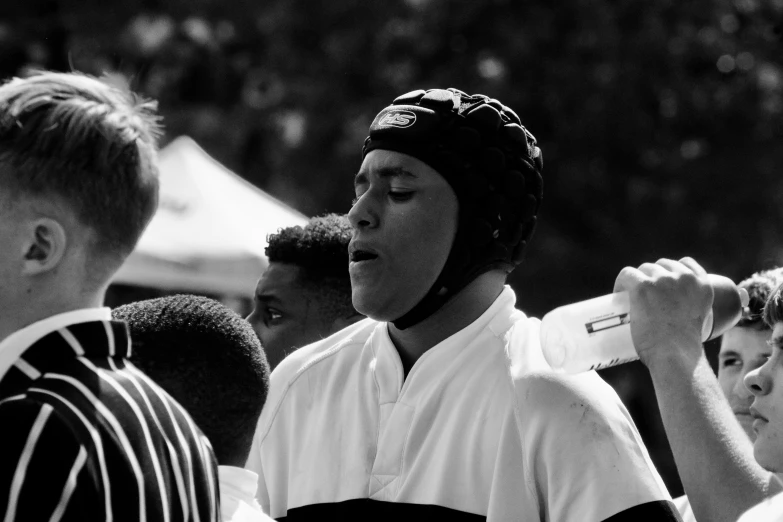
(210, 230)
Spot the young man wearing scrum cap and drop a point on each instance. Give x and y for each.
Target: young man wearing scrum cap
(440, 405)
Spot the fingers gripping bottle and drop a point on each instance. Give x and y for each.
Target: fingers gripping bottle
(596, 334)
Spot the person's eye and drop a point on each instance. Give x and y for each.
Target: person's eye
(399, 195)
(730, 361)
(273, 316)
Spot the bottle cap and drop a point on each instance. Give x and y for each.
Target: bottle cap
(727, 305)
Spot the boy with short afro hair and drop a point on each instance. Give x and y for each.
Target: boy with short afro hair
(208, 358)
(305, 293)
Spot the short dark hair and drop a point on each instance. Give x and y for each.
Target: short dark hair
(209, 359)
(91, 144)
(760, 287)
(320, 249)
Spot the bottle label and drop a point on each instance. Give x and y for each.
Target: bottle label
(613, 362)
(605, 323)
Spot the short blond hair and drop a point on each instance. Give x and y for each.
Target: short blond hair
(92, 145)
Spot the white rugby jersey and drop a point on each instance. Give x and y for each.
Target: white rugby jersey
(481, 429)
(768, 510)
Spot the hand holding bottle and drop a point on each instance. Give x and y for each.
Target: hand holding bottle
(658, 310)
(670, 301)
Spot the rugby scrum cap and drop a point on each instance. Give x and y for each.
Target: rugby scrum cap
(491, 162)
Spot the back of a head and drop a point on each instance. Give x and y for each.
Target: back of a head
(209, 359)
(87, 145)
(320, 249)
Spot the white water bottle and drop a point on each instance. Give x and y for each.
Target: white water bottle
(596, 333)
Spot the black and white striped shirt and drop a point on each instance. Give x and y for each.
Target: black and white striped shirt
(87, 436)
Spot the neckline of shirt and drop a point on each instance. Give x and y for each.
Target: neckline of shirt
(383, 347)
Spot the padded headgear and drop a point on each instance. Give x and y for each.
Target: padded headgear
(491, 162)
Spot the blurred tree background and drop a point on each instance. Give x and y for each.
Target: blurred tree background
(660, 121)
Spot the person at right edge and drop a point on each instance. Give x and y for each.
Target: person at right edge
(440, 405)
(713, 453)
(743, 349)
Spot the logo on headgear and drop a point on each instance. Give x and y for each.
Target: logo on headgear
(399, 119)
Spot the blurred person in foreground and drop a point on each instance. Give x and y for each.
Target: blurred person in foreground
(704, 417)
(441, 406)
(742, 349)
(305, 293)
(210, 360)
(86, 436)
(766, 384)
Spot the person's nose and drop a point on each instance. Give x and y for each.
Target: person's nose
(253, 319)
(363, 213)
(758, 381)
(740, 389)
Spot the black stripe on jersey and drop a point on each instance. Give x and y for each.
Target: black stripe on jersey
(61, 459)
(146, 451)
(176, 466)
(13, 383)
(54, 458)
(656, 511)
(362, 509)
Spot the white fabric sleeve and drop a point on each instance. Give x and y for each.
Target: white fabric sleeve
(582, 452)
(254, 465)
(770, 510)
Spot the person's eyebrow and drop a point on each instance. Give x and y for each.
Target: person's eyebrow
(267, 298)
(384, 173)
(728, 353)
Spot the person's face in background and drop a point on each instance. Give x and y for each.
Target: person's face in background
(766, 384)
(286, 315)
(404, 221)
(742, 350)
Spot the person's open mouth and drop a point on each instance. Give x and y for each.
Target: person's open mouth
(759, 420)
(357, 256)
(359, 252)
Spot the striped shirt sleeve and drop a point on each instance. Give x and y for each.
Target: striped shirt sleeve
(44, 468)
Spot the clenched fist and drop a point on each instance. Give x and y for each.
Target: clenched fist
(669, 303)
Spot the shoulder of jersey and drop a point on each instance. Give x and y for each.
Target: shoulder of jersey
(298, 363)
(532, 377)
(305, 357)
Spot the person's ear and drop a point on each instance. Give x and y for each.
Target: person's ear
(345, 321)
(44, 247)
